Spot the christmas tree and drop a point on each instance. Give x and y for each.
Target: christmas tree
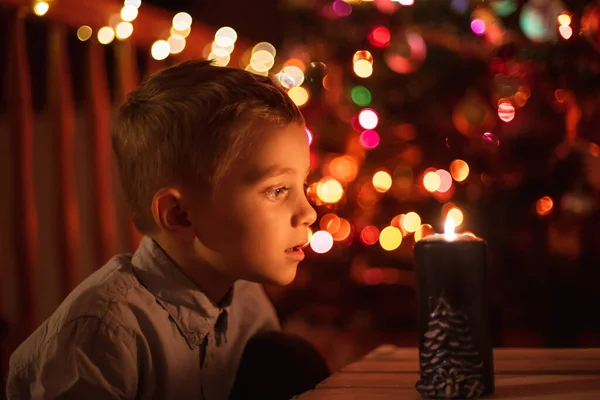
(449, 364)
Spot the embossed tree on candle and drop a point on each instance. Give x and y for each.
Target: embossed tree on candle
(450, 365)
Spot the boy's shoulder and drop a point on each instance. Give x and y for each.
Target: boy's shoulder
(105, 297)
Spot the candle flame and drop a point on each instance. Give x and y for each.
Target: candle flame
(449, 228)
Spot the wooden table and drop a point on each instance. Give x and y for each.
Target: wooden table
(390, 372)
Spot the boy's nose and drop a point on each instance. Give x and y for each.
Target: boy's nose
(306, 214)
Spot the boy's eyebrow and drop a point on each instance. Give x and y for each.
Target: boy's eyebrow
(274, 170)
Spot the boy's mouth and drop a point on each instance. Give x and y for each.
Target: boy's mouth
(295, 248)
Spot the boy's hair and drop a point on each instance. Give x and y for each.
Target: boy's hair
(186, 124)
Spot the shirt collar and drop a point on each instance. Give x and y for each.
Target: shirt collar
(193, 312)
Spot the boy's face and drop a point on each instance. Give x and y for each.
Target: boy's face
(260, 211)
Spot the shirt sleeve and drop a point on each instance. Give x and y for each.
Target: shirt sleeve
(86, 359)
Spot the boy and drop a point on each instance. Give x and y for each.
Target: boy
(213, 162)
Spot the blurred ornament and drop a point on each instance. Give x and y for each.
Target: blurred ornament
(590, 24)
(490, 140)
(406, 52)
(538, 19)
(503, 8)
(315, 72)
(472, 115)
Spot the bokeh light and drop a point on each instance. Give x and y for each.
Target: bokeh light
(506, 111)
(220, 57)
(478, 27)
(445, 180)
(176, 43)
(129, 13)
(423, 231)
(565, 32)
(262, 61)
(264, 46)
(390, 238)
(321, 242)
(84, 33)
(124, 30)
(343, 231)
(382, 181)
(564, 19)
(431, 181)
(369, 235)
(544, 206)
(106, 34)
(330, 223)
(160, 50)
(380, 36)
(363, 68)
(226, 36)
(41, 8)
(457, 215)
(341, 8)
(459, 170)
(361, 96)
(369, 139)
(133, 3)
(329, 190)
(343, 168)
(368, 118)
(295, 73)
(411, 221)
(299, 95)
(182, 21)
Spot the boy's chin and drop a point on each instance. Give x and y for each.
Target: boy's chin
(280, 277)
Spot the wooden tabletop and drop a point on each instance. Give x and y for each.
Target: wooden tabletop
(390, 372)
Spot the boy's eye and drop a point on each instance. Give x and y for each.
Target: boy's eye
(276, 193)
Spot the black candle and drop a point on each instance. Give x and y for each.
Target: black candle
(455, 351)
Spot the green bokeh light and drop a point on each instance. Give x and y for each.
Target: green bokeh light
(361, 96)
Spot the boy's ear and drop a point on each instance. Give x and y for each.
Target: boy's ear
(168, 212)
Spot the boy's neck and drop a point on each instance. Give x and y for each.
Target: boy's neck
(210, 281)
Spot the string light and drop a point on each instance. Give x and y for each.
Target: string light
(124, 30)
(160, 50)
(106, 35)
(41, 8)
(84, 33)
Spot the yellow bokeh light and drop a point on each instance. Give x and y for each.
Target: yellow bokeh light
(84, 33)
(41, 8)
(182, 21)
(459, 170)
(264, 46)
(295, 73)
(220, 57)
(250, 69)
(382, 181)
(321, 242)
(411, 221)
(106, 34)
(176, 43)
(228, 49)
(343, 168)
(226, 36)
(431, 181)
(343, 231)
(299, 95)
(362, 55)
(390, 238)
(129, 13)
(124, 30)
(160, 50)
(423, 231)
(262, 61)
(456, 215)
(185, 33)
(363, 68)
(329, 190)
(564, 19)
